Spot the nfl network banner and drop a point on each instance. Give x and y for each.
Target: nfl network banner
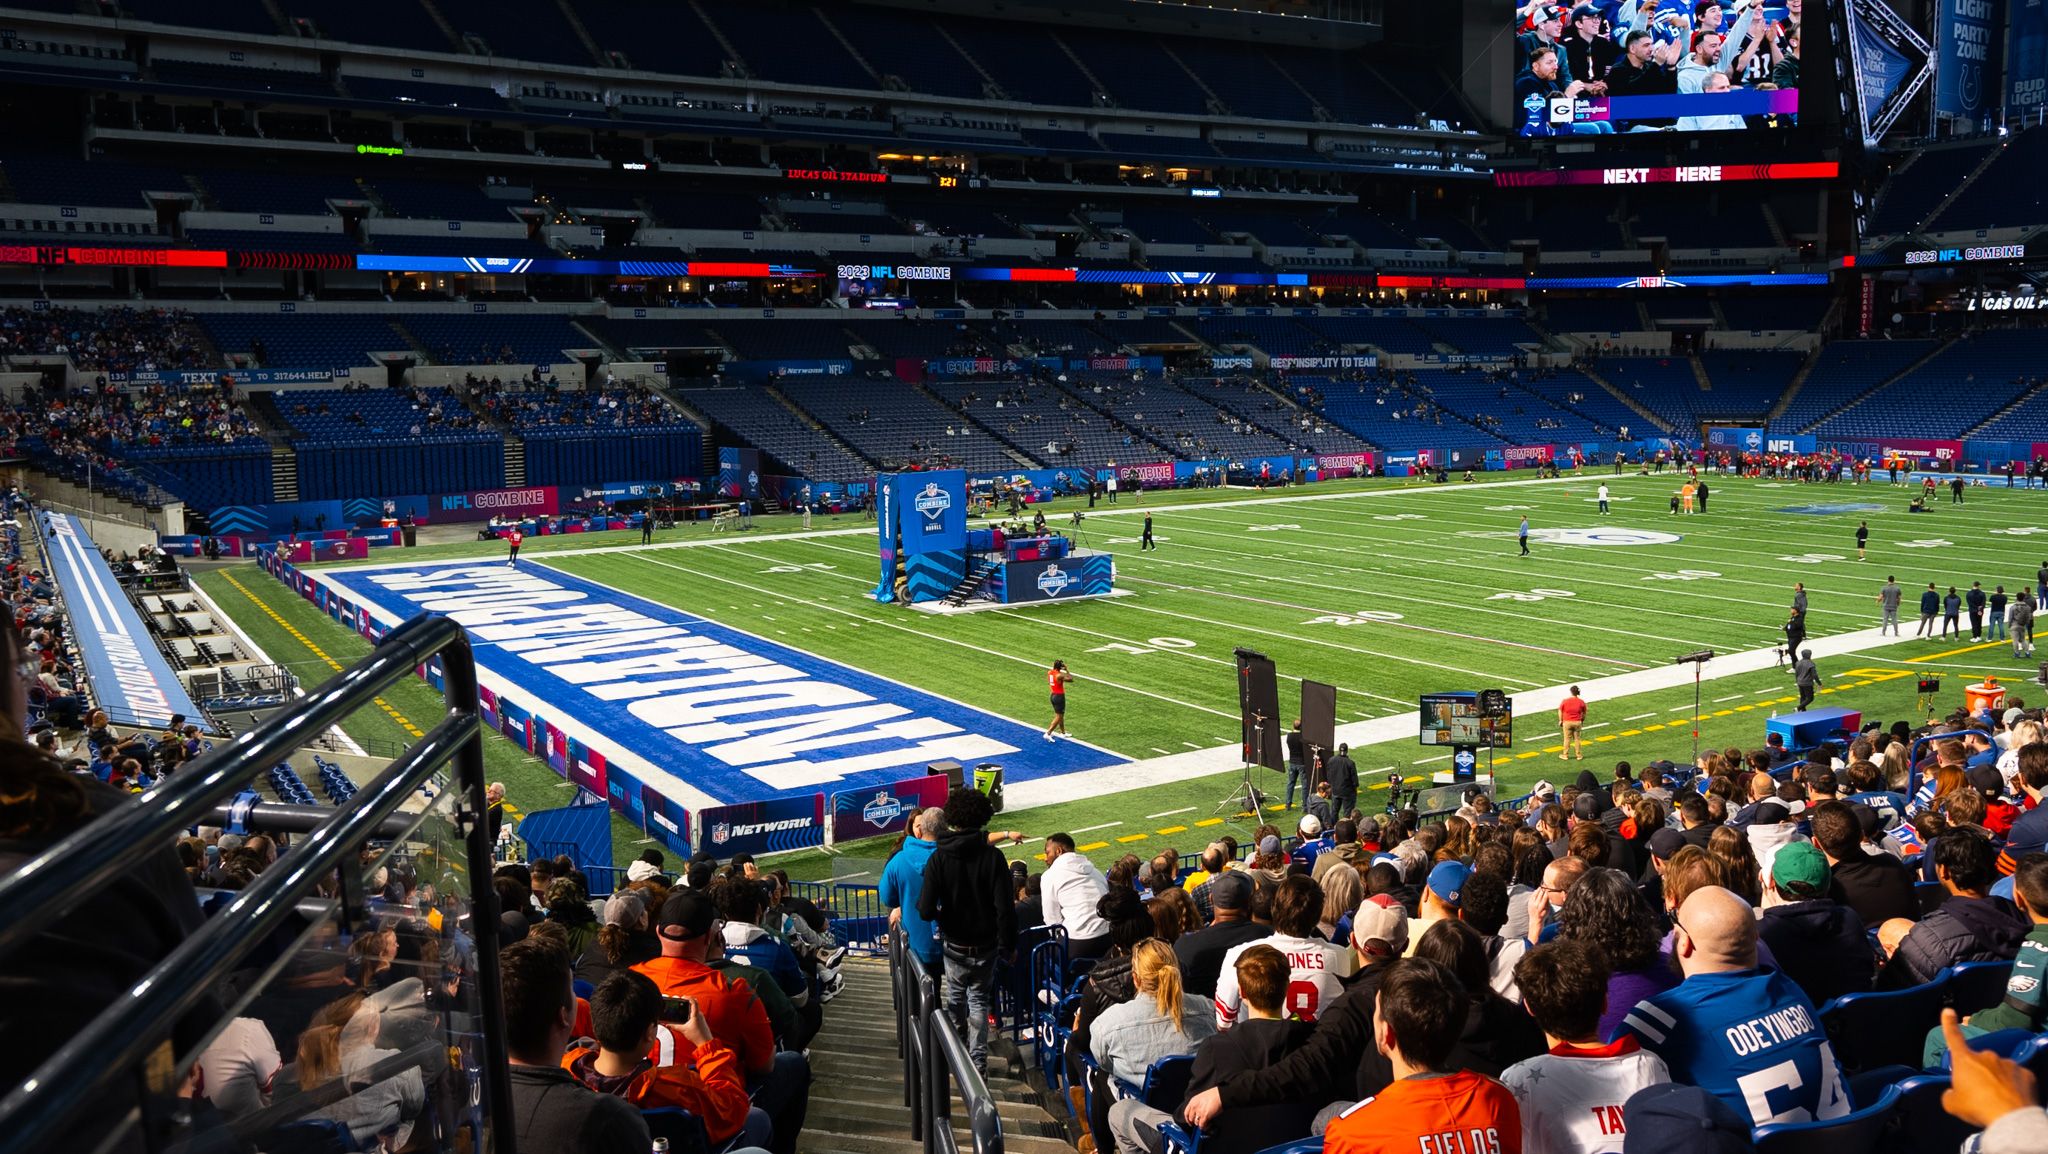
(762, 827)
(883, 811)
(129, 676)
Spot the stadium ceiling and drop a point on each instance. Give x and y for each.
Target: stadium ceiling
(1176, 19)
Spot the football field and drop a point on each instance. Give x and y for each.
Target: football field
(1385, 592)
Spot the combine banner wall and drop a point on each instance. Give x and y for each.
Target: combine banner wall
(929, 524)
(739, 472)
(363, 512)
(129, 676)
(865, 813)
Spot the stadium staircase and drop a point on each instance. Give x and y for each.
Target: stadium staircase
(857, 1081)
(2027, 394)
(1699, 370)
(817, 425)
(1778, 236)
(970, 585)
(515, 461)
(418, 346)
(1934, 214)
(1939, 348)
(1797, 383)
(1634, 405)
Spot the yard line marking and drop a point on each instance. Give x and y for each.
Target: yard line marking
(1162, 752)
(1427, 760)
(1170, 812)
(1191, 745)
(1595, 725)
(1542, 737)
(1639, 717)
(1683, 709)
(849, 877)
(1630, 732)
(1730, 697)
(1093, 828)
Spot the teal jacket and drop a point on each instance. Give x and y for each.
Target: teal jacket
(902, 881)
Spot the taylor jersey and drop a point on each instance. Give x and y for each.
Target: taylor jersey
(1750, 1038)
(1571, 1098)
(1314, 968)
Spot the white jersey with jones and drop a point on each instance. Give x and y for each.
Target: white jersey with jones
(1571, 1098)
(1314, 968)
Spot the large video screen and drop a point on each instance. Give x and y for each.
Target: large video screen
(1656, 66)
(1453, 719)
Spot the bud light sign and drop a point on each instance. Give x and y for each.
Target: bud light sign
(864, 813)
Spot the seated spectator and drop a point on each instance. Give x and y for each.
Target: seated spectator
(1262, 1036)
(1876, 885)
(781, 1083)
(1421, 1010)
(567, 904)
(1971, 926)
(2023, 1007)
(1570, 1096)
(1820, 945)
(1110, 982)
(1730, 1028)
(1342, 891)
(739, 903)
(1606, 910)
(1160, 1021)
(1201, 952)
(625, 939)
(1483, 905)
(1317, 968)
(1441, 892)
(2029, 831)
(1497, 1033)
(1549, 897)
(793, 1028)
(551, 1109)
(1673, 1118)
(654, 1066)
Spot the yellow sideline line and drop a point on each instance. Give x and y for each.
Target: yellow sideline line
(315, 649)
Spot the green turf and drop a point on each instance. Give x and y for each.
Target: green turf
(1451, 606)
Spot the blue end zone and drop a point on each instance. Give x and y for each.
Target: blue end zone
(701, 712)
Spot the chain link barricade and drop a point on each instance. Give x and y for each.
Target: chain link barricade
(936, 1064)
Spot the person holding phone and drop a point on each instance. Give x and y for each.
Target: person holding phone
(1056, 679)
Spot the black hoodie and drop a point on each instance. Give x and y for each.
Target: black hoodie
(967, 892)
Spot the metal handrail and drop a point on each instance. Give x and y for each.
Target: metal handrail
(79, 1074)
(935, 1062)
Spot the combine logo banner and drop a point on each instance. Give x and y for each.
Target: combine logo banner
(931, 506)
(865, 813)
(1053, 580)
(704, 713)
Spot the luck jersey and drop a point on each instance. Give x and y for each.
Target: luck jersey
(1748, 1037)
(1462, 1113)
(1313, 969)
(1571, 1098)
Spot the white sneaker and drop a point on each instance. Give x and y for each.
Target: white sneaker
(1048, 737)
(830, 990)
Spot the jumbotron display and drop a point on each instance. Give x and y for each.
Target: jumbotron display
(1603, 66)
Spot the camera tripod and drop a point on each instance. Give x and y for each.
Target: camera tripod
(1246, 798)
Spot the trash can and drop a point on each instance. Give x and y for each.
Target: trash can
(410, 533)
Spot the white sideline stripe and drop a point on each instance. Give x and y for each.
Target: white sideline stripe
(1359, 734)
(1093, 828)
(1169, 813)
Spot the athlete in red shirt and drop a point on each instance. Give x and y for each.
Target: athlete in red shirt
(1571, 717)
(1056, 680)
(513, 538)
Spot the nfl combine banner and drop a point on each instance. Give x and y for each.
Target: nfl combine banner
(922, 533)
(881, 812)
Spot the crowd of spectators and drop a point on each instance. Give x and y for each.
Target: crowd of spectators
(1564, 971)
(615, 404)
(122, 340)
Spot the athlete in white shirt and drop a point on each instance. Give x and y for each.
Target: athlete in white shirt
(1571, 1097)
(1314, 967)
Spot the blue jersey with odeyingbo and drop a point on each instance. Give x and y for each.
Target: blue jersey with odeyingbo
(1749, 1037)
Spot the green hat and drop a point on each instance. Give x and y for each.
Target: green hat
(1801, 871)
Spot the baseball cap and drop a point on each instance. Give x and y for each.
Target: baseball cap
(1311, 825)
(1582, 11)
(1543, 789)
(1770, 813)
(1232, 891)
(1988, 781)
(1867, 817)
(624, 908)
(1447, 881)
(1665, 842)
(1270, 844)
(1549, 12)
(1380, 927)
(1586, 807)
(1675, 1118)
(2013, 716)
(688, 911)
(1799, 864)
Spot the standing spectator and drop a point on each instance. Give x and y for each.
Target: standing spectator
(1997, 619)
(903, 881)
(1570, 1096)
(1416, 1024)
(1951, 613)
(551, 1110)
(1297, 764)
(1930, 608)
(1201, 953)
(1976, 600)
(1067, 896)
(1571, 717)
(2019, 618)
(1888, 599)
(1820, 945)
(1607, 910)
(1707, 1027)
(967, 894)
(1316, 967)
(1971, 926)
(1342, 774)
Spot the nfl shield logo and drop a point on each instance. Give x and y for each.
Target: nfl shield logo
(720, 833)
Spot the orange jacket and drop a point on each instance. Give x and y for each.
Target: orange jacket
(736, 1015)
(707, 1083)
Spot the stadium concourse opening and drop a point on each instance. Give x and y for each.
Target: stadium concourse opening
(751, 577)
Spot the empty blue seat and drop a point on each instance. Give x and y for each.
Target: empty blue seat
(1886, 1028)
(1857, 1132)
